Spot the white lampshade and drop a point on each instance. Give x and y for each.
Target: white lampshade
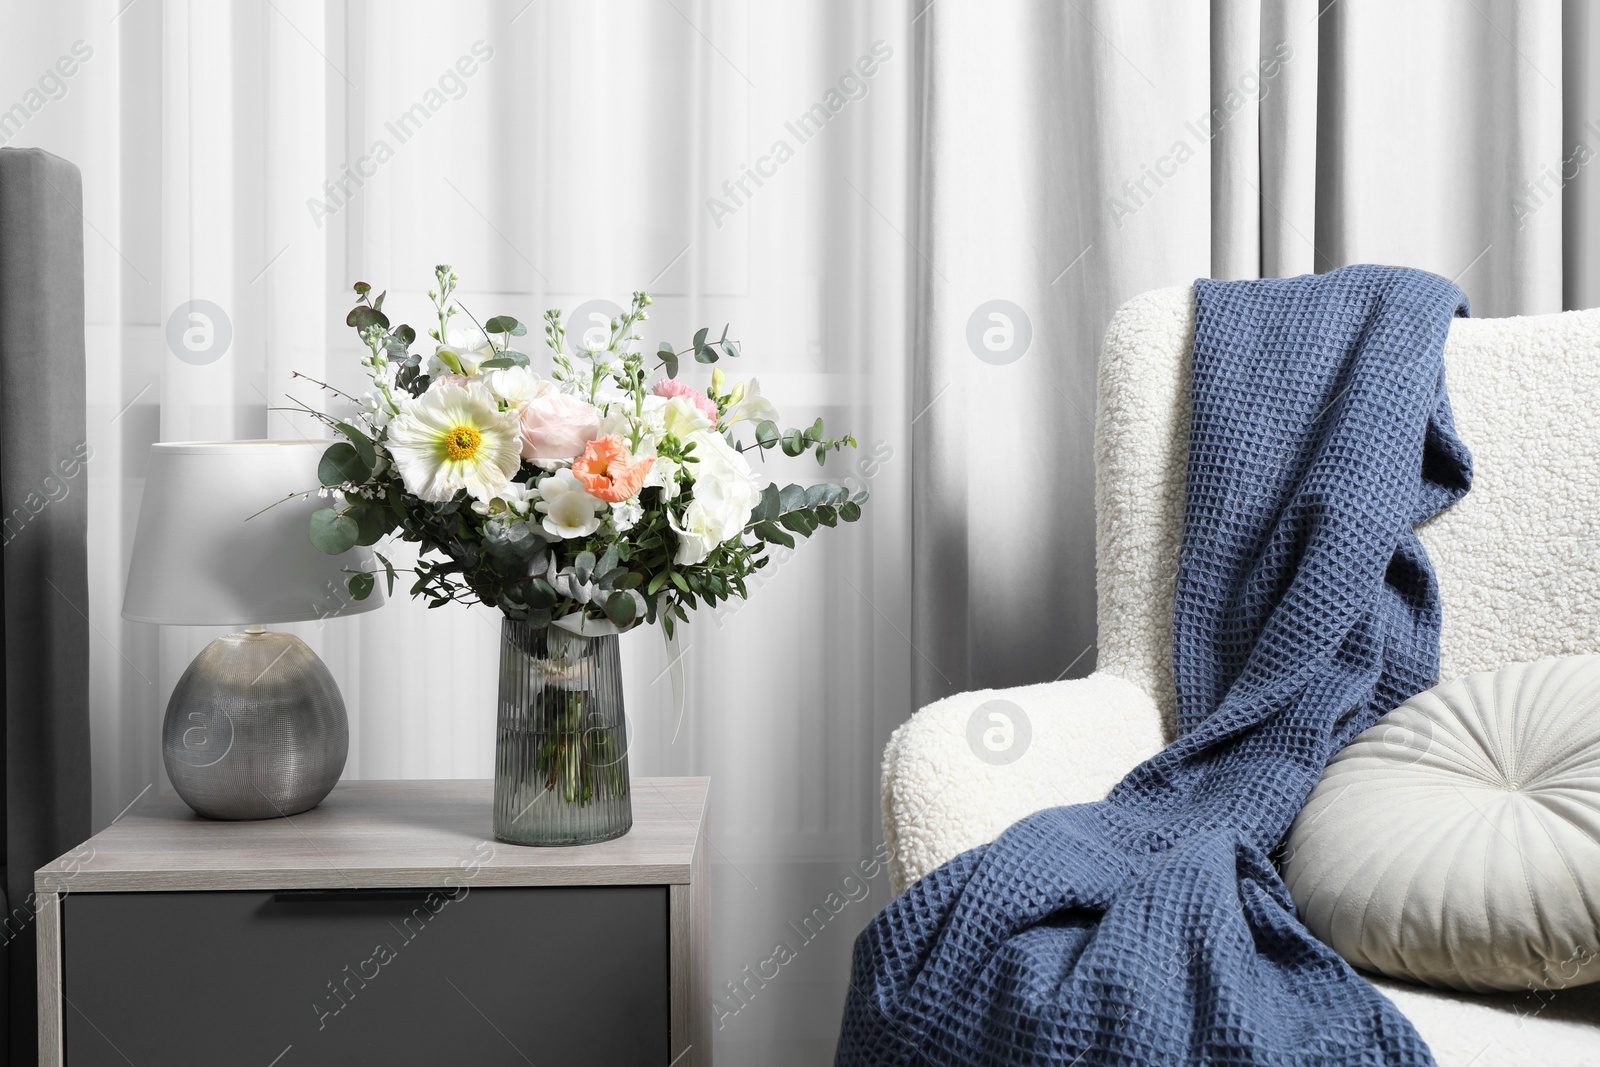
(206, 553)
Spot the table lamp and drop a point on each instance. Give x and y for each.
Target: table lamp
(256, 727)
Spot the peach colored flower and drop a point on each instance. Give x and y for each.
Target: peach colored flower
(557, 426)
(671, 387)
(607, 470)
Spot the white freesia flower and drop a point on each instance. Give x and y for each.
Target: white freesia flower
(725, 493)
(461, 354)
(517, 385)
(567, 507)
(455, 437)
(682, 419)
(752, 407)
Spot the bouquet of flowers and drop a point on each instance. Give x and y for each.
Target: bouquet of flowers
(592, 492)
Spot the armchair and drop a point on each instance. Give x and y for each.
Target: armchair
(1518, 562)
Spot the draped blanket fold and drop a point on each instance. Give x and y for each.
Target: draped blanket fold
(1152, 927)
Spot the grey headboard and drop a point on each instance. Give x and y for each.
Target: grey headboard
(44, 595)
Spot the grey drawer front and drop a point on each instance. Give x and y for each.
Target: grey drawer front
(557, 977)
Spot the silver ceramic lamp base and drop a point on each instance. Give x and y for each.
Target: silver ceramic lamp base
(255, 728)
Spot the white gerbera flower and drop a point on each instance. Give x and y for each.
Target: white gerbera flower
(455, 437)
(567, 507)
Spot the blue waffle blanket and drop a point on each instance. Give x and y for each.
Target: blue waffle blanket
(1152, 927)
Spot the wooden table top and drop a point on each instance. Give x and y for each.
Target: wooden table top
(378, 834)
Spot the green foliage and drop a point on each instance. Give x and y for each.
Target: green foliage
(341, 463)
(793, 443)
(333, 532)
(361, 584)
(801, 509)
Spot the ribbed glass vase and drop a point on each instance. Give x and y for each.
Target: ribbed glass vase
(561, 750)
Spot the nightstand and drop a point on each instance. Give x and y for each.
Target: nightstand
(385, 926)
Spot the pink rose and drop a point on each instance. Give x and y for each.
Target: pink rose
(557, 426)
(671, 387)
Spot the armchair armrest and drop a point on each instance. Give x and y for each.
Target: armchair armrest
(964, 768)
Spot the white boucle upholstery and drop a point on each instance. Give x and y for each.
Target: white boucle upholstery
(1519, 569)
(941, 797)
(1141, 449)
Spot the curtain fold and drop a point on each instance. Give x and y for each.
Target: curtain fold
(1230, 139)
(1577, 170)
(1065, 168)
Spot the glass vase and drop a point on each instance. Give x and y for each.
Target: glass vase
(561, 747)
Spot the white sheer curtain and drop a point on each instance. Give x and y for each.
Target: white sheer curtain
(263, 156)
(1074, 154)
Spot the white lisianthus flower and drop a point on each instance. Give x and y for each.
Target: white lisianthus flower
(567, 507)
(517, 385)
(682, 419)
(455, 437)
(725, 492)
(752, 407)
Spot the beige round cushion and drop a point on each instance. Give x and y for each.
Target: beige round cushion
(1457, 842)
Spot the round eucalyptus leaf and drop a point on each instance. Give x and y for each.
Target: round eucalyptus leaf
(620, 608)
(341, 463)
(332, 532)
(372, 522)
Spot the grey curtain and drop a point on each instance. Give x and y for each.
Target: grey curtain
(43, 568)
(1073, 154)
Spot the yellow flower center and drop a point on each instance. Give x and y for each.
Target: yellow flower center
(461, 442)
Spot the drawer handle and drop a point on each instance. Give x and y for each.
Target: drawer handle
(334, 896)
